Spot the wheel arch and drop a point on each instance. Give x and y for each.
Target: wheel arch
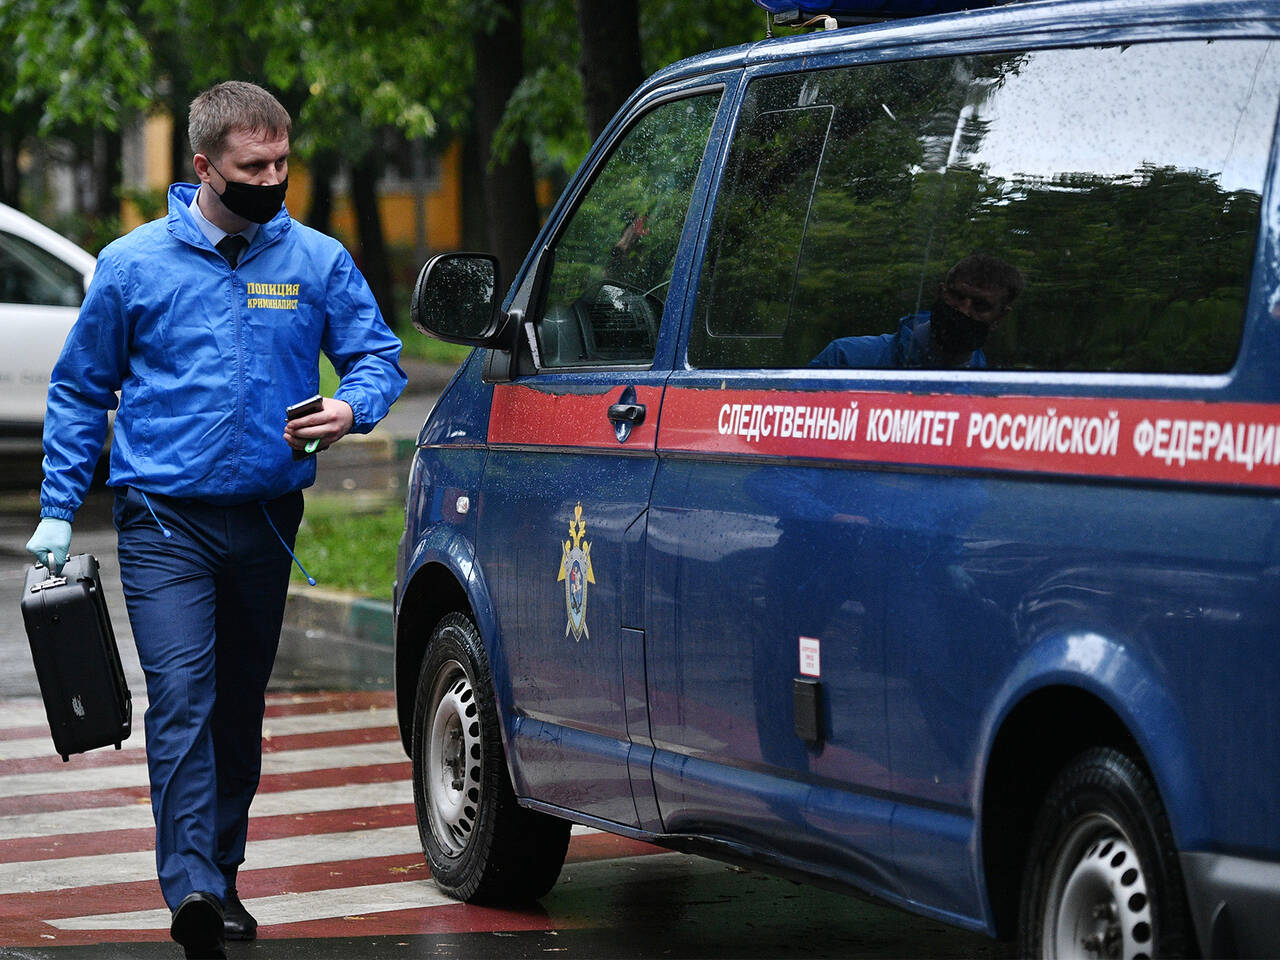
(441, 577)
(1109, 697)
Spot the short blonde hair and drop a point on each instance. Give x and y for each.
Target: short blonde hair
(233, 105)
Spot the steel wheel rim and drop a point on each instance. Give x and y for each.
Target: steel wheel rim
(454, 759)
(1098, 901)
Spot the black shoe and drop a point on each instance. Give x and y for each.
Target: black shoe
(197, 925)
(237, 922)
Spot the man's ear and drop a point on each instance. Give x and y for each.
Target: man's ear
(200, 163)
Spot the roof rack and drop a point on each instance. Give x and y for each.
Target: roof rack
(830, 14)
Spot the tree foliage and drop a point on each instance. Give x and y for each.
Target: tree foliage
(358, 76)
(74, 62)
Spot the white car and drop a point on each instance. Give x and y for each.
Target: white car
(43, 278)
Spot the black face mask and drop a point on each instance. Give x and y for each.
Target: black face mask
(954, 333)
(257, 203)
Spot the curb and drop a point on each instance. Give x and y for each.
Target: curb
(424, 376)
(379, 445)
(313, 610)
(331, 626)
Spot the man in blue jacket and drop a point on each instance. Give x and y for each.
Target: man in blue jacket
(210, 323)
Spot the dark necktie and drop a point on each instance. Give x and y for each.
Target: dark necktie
(231, 246)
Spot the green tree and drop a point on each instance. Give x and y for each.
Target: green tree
(76, 71)
(357, 76)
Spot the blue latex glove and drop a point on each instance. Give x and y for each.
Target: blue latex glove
(50, 543)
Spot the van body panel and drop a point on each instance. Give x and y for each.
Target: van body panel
(1130, 686)
(562, 496)
(929, 550)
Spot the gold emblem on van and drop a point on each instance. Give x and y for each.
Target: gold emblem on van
(576, 572)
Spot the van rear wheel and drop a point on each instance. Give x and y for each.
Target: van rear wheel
(1102, 876)
(482, 846)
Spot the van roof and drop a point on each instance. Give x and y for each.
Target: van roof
(864, 10)
(1044, 17)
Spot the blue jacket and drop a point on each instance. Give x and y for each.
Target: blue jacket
(910, 347)
(207, 358)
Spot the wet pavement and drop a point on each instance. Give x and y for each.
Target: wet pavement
(334, 867)
(663, 905)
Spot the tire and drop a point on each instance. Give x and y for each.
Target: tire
(1102, 877)
(482, 846)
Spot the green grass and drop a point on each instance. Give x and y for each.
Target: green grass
(429, 348)
(347, 545)
(415, 345)
(328, 377)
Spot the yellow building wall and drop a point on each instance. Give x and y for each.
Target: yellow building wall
(442, 216)
(156, 133)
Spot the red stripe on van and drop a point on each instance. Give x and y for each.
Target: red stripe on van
(525, 416)
(1188, 441)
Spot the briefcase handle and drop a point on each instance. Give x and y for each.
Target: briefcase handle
(53, 580)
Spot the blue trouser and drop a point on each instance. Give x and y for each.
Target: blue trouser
(206, 605)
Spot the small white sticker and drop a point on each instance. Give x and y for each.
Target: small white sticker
(810, 658)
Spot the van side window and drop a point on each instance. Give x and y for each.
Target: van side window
(1111, 195)
(613, 259)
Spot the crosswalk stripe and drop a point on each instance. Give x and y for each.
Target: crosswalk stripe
(313, 825)
(307, 723)
(319, 904)
(291, 705)
(35, 875)
(332, 835)
(289, 907)
(135, 774)
(279, 803)
(24, 712)
(348, 901)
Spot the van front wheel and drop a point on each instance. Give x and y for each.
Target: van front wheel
(482, 846)
(1102, 877)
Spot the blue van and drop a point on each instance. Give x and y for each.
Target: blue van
(873, 472)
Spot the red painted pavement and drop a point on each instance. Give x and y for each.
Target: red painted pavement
(24, 917)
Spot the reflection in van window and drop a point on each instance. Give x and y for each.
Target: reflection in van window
(613, 260)
(1121, 185)
(775, 165)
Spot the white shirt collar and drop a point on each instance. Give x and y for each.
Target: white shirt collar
(213, 232)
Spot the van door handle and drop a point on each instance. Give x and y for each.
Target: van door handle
(631, 413)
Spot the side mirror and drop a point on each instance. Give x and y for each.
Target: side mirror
(456, 299)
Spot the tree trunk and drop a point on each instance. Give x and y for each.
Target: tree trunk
(475, 224)
(9, 169)
(373, 246)
(108, 149)
(511, 209)
(610, 64)
(179, 151)
(320, 204)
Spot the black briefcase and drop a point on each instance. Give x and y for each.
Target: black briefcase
(77, 661)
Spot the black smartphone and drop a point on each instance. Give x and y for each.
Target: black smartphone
(304, 407)
(301, 409)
